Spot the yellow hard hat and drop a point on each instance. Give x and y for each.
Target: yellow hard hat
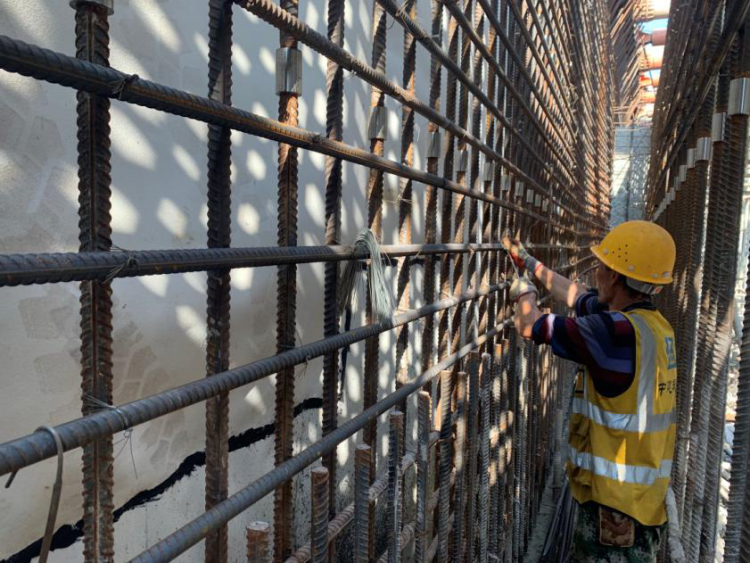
(639, 250)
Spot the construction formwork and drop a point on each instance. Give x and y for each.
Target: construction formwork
(519, 139)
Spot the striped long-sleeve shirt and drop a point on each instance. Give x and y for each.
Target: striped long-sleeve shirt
(602, 340)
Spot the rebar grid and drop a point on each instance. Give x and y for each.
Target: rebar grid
(698, 200)
(514, 135)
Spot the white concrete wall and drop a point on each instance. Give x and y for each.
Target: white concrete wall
(630, 167)
(159, 201)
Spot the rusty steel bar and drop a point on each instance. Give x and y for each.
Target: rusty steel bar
(431, 194)
(258, 535)
(319, 492)
(288, 89)
(394, 509)
(405, 204)
(424, 411)
(25, 451)
(95, 234)
(362, 463)
(374, 192)
(333, 195)
(27, 269)
(219, 236)
(445, 469)
(187, 536)
(473, 423)
(282, 19)
(485, 503)
(29, 60)
(345, 517)
(459, 463)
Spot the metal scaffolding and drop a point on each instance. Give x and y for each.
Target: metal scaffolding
(525, 128)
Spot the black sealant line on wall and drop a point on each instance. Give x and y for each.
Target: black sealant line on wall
(67, 535)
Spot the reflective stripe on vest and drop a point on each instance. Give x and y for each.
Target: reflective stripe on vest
(620, 448)
(635, 474)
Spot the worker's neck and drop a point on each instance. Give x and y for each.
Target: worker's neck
(622, 300)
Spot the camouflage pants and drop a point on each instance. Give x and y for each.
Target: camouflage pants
(587, 547)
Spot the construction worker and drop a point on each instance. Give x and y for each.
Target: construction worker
(622, 428)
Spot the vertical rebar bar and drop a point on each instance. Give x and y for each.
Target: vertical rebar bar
(444, 490)
(375, 223)
(474, 396)
(258, 536)
(333, 175)
(218, 302)
(459, 463)
(95, 234)
(319, 514)
(288, 63)
(405, 203)
(485, 503)
(424, 425)
(395, 454)
(362, 463)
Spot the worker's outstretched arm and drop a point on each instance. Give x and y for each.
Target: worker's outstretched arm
(562, 289)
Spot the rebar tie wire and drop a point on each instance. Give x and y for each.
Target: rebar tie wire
(127, 431)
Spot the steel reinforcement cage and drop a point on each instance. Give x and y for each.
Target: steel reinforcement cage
(695, 191)
(525, 128)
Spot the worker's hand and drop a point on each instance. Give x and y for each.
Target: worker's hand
(520, 287)
(519, 254)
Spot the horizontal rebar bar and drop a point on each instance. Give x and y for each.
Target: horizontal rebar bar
(35, 447)
(26, 269)
(57, 68)
(190, 534)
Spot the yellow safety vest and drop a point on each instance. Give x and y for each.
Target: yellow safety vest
(621, 448)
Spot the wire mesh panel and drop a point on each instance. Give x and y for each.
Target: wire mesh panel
(514, 135)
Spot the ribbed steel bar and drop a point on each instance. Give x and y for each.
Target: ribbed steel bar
(737, 532)
(187, 536)
(27, 269)
(473, 424)
(95, 234)
(473, 275)
(277, 16)
(286, 288)
(735, 19)
(431, 194)
(465, 23)
(219, 236)
(362, 463)
(394, 509)
(460, 214)
(376, 133)
(258, 535)
(485, 501)
(341, 521)
(405, 203)
(424, 425)
(25, 451)
(29, 60)
(333, 195)
(446, 463)
(459, 463)
(319, 514)
(733, 182)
